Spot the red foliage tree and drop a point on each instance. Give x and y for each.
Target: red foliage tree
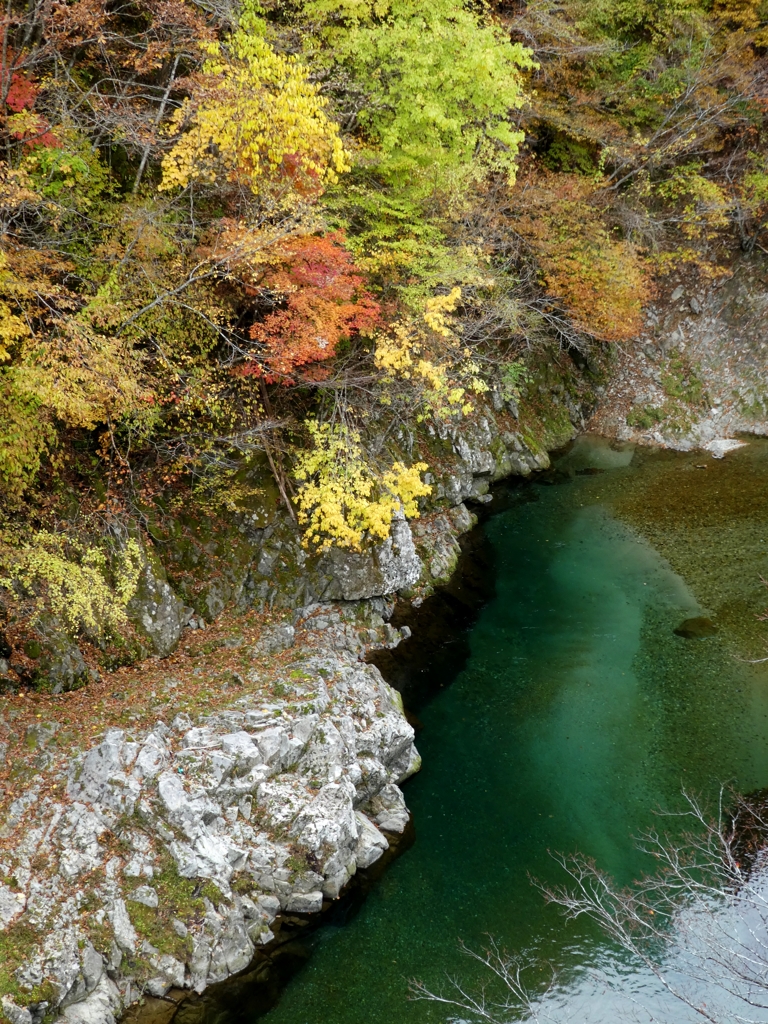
(21, 94)
(323, 303)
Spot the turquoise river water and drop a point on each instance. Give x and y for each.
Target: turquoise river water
(576, 713)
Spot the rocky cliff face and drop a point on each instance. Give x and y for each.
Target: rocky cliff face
(162, 858)
(143, 860)
(697, 376)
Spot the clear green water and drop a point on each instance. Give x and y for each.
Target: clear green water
(577, 713)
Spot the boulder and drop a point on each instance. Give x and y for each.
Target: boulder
(102, 1006)
(371, 844)
(387, 809)
(15, 1014)
(696, 628)
(144, 894)
(125, 933)
(62, 666)
(155, 610)
(275, 639)
(304, 903)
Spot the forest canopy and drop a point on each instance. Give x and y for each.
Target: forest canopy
(230, 230)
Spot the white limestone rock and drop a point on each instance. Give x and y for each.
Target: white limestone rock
(152, 757)
(278, 638)
(102, 1006)
(15, 1014)
(170, 973)
(274, 746)
(720, 446)
(304, 903)
(101, 776)
(156, 610)
(92, 967)
(233, 950)
(144, 894)
(387, 809)
(79, 832)
(11, 905)
(208, 792)
(393, 565)
(371, 844)
(125, 933)
(241, 747)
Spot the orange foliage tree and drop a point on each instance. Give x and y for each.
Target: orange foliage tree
(322, 301)
(597, 275)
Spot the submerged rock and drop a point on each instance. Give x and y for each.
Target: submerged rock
(696, 628)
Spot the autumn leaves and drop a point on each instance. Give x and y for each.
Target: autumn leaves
(253, 119)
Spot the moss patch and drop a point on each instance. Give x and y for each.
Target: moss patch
(17, 945)
(181, 898)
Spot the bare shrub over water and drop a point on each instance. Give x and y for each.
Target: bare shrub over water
(698, 925)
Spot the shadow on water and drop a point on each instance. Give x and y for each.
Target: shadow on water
(438, 648)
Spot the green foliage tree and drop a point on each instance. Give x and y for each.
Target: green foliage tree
(429, 95)
(441, 84)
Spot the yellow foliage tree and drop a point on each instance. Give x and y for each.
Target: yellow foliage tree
(745, 14)
(255, 119)
(26, 435)
(427, 352)
(13, 328)
(343, 498)
(84, 377)
(55, 365)
(72, 581)
(702, 203)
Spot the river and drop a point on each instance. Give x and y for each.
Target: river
(574, 712)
